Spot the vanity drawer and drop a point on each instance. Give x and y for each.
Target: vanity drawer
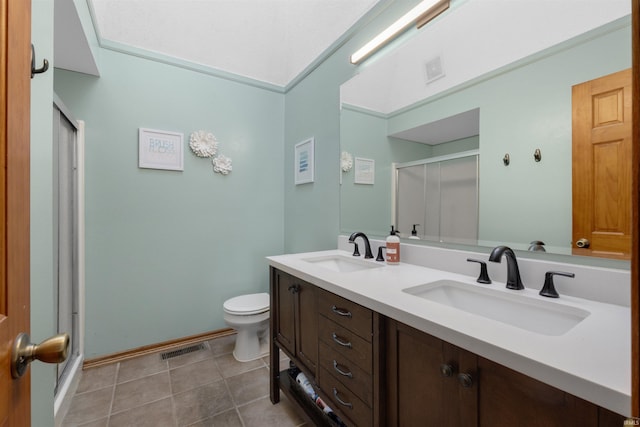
(345, 402)
(348, 314)
(346, 343)
(347, 372)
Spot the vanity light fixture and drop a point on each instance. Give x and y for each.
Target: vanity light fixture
(424, 12)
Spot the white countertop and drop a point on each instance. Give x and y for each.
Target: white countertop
(592, 360)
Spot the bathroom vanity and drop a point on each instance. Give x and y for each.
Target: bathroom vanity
(380, 351)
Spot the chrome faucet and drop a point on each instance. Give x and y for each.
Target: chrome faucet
(367, 245)
(513, 273)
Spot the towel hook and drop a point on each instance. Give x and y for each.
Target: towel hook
(537, 155)
(34, 70)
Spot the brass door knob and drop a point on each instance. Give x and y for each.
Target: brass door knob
(52, 350)
(583, 243)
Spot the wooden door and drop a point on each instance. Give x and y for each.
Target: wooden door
(15, 55)
(602, 141)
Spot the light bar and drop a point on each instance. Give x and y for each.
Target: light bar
(423, 13)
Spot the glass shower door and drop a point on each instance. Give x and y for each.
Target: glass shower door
(65, 237)
(441, 196)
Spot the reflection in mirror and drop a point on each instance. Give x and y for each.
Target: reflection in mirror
(523, 106)
(438, 196)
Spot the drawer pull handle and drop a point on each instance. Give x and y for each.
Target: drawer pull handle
(446, 370)
(340, 371)
(339, 341)
(341, 312)
(340, 401)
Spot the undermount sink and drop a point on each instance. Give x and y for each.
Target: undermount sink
(341, 264)
(543, 317)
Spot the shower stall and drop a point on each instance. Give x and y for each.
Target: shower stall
(68, 241)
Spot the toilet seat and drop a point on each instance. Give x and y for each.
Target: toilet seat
(247, 305)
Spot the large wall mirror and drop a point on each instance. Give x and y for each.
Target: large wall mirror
(490, 76)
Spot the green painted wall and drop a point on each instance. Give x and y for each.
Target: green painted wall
(43, 324)
(534, 201)
(311, 210)
(164, 249)
(367, 208)
(312, 109)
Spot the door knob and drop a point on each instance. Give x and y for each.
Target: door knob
(52, 350)
(583, 243)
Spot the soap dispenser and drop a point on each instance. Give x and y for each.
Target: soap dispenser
(393, 247)
(414, 233)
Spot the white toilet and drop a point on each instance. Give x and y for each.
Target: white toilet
(249, 316)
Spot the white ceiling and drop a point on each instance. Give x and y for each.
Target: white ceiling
(271, 41)
(474, 39)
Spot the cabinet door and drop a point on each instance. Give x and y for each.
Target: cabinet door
(307, 326)
(283, 289)
(511, 398)
(422, 375)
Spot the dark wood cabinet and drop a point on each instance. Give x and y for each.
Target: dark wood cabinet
(350, 367)
(295, 321)
(523, 398)
(431, 382)
(293, 330)
(425, 376)
(376, 371)
(283, 319)
(335, 342)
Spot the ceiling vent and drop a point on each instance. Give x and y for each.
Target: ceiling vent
(434, 69)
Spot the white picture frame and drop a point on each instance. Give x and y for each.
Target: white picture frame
(304, 162)
(159, 149)
(365, 171)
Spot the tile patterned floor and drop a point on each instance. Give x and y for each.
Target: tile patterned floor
(205, 388)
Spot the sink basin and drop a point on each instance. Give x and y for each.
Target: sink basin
(341, 264)
(543, 317)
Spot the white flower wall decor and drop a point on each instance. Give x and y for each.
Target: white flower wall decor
(203, 144)
(346, 161)
(221, 164)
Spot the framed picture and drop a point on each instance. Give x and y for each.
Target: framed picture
(304, 161)
(159, 149)
(365, 170)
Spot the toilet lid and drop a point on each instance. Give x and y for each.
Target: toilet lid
(247, 304)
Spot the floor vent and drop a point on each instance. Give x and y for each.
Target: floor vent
(181, 351)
